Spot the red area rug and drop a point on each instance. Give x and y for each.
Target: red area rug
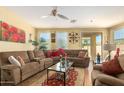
(72, 77)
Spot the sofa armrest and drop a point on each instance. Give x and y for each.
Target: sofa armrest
(10, 73)
(9, 67)
(110, 80)
(97, 67)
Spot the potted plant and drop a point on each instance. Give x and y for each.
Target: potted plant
(35, 43)
(43, 44)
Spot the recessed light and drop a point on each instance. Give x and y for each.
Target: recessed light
(44, 16)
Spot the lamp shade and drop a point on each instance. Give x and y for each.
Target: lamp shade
(109, 47)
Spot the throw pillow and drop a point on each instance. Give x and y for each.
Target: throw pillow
(31, 55)
(61, 51)
(112, 67)
(21, 60)
(55, 53)
(14, 61)
(81, 54)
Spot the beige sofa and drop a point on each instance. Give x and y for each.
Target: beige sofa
(36, 61)
(11, 74)
(73, 56)
(101, 79)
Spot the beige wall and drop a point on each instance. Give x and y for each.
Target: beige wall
(13, 19)
(79, 30)
(53, 45)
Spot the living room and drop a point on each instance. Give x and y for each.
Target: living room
(94, 32)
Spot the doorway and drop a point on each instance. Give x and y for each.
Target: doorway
(92, 41)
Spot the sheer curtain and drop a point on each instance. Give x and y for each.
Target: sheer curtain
(62, 40)
(45, 40)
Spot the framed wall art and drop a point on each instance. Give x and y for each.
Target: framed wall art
(11, 33)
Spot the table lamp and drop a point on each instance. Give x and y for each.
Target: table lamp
(109, 47)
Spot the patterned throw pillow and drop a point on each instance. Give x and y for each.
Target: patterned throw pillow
(81, 54)
(14, 61)
(21, 61)
(112, 67)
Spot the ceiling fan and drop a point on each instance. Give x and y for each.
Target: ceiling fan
(54, 13)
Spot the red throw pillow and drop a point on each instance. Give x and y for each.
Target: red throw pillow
(112, 67)
(61, 51)
(55, 53)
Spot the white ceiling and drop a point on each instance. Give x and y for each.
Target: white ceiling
(102, 16)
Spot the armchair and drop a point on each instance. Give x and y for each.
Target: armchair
(101, 79)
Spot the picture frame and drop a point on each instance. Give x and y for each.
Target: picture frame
(10, 33)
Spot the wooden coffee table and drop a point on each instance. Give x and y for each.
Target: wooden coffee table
(58, 68)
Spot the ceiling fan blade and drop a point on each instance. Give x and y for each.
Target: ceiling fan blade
(63, 17)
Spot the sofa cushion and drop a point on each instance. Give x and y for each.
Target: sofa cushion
(39, 54)
(97, 67)
(112, 67)
(14, 61)
(47, 62)
(94, 74)
(31, 55)
(29, 67)
(21, 60)
(73, 53)
(5, 55)
(55, 53)
(121, 61)
(120, 76)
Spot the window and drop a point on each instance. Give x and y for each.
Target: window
(98, 39)
(45, 40)
(62, 40)
(119, 36)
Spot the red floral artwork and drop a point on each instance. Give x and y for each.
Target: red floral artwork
(5, 35)
(11, 33)
(5, 25)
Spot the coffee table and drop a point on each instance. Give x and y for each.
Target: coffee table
(60, 69)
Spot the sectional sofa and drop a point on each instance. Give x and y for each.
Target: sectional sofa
(35, 61)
